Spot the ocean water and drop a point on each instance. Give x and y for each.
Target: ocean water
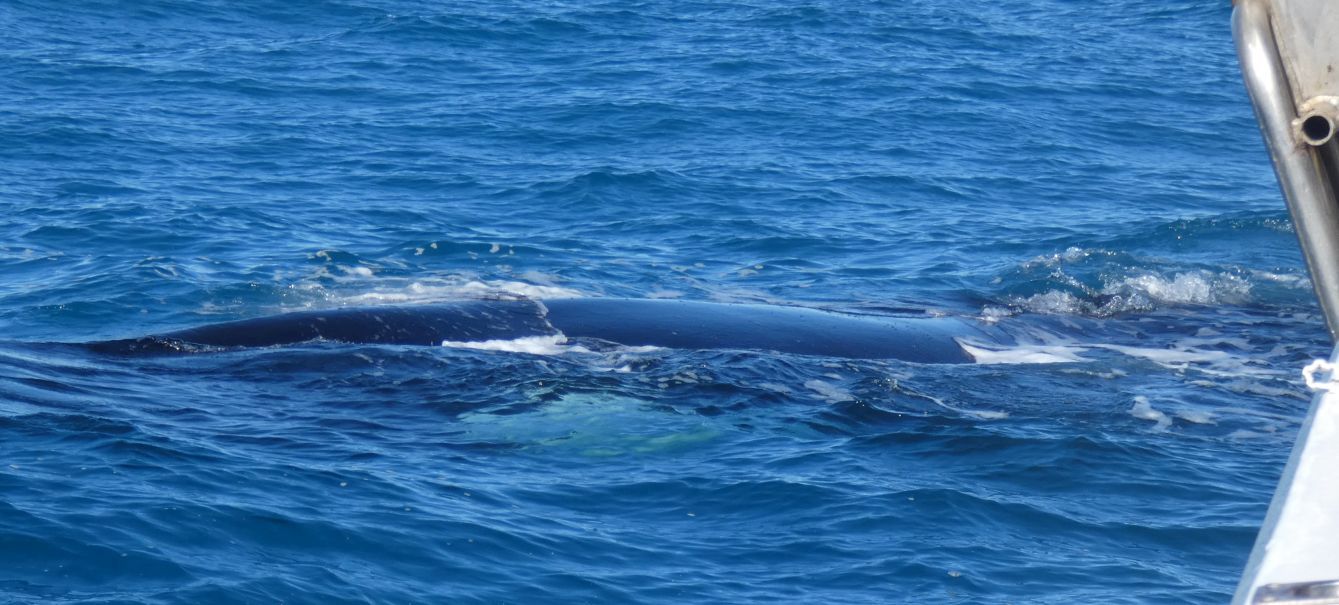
(1086, 178)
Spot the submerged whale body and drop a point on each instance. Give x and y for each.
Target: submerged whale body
(630, 322)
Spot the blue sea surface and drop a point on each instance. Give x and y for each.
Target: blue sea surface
(1085, 177)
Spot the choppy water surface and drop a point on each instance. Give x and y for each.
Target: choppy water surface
(1087, 178)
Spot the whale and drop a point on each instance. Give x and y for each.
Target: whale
(631, 322)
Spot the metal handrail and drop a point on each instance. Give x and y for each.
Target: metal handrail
(1289, 55)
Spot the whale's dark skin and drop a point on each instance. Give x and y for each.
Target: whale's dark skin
(631, 322)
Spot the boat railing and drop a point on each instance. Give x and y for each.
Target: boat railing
(1289, 54)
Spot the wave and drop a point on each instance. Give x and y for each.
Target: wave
(1106, 283)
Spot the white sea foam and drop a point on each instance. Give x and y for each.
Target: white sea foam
(335, 283)
(1054, 302)
(1184, 355)
(1143, 410)
(1253, 386)
(1141, 293)
(1199, 287)
(1246, 434)
(994, 314)
(1125, 290)
(1110, 374)
(979, 414)
(1295, 280)
(555, 344)
(436, 291)
(774, 387)
(1024, 354)
(619, 359)
(539, 277)
(829, 392)
(1196, 417)
(1169, 357)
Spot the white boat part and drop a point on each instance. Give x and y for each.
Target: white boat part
(1289, 53)
(1296, 556)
